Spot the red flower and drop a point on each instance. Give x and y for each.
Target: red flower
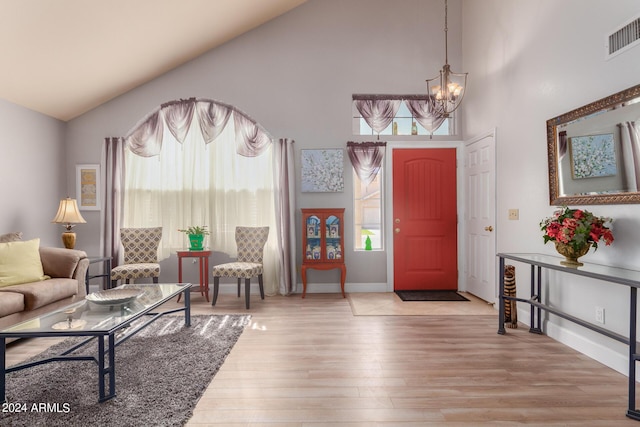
(576, 227)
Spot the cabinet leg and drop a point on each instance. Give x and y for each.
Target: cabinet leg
(343, 277)
(304, 281)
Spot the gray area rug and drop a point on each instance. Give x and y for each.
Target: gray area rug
(160, 375)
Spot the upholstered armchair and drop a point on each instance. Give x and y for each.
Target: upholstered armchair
(140, 255)
(250, 242)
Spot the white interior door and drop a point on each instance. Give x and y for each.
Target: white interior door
(480, 221)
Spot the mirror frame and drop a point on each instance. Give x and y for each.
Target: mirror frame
(611, 102)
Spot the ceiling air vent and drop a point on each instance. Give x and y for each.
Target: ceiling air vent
(624, 38)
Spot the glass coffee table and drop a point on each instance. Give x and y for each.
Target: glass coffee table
(106, 317)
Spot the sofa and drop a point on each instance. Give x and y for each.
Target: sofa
(36, 280)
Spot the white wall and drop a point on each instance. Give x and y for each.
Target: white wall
(295, 76)
(33, 170)
(530, 61)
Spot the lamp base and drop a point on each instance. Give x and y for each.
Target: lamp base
(69, 239)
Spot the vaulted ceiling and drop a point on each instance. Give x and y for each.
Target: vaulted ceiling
(64, 57)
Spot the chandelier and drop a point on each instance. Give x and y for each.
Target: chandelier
(447, 89)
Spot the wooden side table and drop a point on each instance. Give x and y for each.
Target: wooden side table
(203, 266)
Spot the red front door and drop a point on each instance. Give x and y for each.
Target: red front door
(425, 219)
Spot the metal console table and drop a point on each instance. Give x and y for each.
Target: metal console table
(620, 276)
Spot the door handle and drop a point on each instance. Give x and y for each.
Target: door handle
(397, 230)
(488, 228)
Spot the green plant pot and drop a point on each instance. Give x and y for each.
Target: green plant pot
(195, 242)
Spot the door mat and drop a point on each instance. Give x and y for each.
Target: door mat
(430, 296)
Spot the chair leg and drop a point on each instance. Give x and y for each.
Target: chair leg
(261, 286)
(239, 281)
(127, 281)
(155, 279)
(216, 284)
(114, 283)
(247, 291)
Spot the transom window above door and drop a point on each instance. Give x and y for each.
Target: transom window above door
(406, 115)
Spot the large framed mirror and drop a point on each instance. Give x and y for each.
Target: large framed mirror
(594, 152)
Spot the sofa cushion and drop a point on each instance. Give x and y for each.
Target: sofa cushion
(38, 294)
(60, 262)
(16, 236)
(20, 263)
(11, 302)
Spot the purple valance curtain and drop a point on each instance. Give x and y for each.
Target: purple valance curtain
(378, 113)
(213, 118)
(146, 137)
(251, 140)
(422, 110)
(366, 158)
(380, 110)
(178, 116)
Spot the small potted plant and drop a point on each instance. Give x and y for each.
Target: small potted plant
(196, 235)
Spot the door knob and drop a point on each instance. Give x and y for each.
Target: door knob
(488, 228)
(397, 220)
(397, 230)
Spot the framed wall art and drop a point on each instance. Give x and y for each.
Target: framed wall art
(322, 170)
(88, 187)
(593, 156)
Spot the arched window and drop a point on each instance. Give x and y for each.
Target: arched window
(202, 162)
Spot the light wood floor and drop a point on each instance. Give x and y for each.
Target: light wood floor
(311, 362)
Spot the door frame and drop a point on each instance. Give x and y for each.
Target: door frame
(388, 203)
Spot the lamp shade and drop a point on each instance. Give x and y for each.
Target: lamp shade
(68, 213)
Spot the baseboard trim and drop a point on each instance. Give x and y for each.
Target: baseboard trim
(312, 288)
(595, 350)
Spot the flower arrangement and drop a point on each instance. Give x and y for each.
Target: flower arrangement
(195, 229)
(576, 228)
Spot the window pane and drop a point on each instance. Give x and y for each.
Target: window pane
(402, 124)
(368, 212)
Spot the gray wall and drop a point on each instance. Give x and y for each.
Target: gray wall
(530, 61)
(295, 76)
(33, 172)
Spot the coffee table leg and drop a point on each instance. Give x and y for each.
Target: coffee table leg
(110, 370)
(3, 374)
(187, 307)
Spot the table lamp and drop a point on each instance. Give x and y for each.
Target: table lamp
(68, 214)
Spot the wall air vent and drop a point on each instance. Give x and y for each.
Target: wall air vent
(623, 38)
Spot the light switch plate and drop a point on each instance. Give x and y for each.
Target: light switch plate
(514, 214)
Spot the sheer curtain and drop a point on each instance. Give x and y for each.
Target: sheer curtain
(202, 180)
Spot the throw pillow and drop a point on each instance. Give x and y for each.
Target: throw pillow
(11, 237)
(20, 263)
